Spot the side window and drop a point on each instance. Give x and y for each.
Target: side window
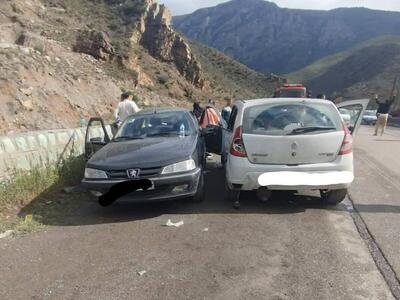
(232, 119)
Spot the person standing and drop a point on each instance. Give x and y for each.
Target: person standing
(126, 107)
(197, 110)
(227, 110)
(383, 113)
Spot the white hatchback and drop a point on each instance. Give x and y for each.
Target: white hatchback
(290, 144)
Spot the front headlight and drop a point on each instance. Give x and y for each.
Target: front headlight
(182, 166)
(95, 174)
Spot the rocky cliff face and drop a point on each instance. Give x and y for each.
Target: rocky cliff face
(272, 39)
(156, 34)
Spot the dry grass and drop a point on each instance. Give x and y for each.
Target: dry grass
(38, 193)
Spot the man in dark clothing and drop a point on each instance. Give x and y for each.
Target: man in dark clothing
(197, 110)
(383, 113)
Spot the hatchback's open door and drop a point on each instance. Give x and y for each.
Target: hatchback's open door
(352, 113)
(96, 136)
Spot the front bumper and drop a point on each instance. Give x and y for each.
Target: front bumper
(169, 187)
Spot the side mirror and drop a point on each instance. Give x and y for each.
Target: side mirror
(208, 130)
(97, 141)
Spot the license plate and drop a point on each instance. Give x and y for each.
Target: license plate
(149, 189)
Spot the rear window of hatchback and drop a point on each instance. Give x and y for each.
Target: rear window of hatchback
(279, 119)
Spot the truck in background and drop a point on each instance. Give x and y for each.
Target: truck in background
(288, 90)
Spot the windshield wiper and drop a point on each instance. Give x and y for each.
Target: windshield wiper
(126, 138)
(310, 129)
(165, 134)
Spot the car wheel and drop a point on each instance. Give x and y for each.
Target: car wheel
(200, 193)
(223, 160)
(231, 195)
(333, 197)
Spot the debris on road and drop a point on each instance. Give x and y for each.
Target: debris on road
(141, 273)
(171, 224)
(74, 189)
(6, 234)
(28, 218)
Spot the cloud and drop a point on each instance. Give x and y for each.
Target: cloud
(179, 7)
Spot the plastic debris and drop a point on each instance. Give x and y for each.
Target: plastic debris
(205, 229)
(28, 218)
(171, 224)
(75, 189)
(141, 273)
(6, 234)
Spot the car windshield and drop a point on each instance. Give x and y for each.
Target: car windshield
(298, 93)
(285, 119)
(161, 124)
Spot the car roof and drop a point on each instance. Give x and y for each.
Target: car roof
(255, 102)
(155, 110)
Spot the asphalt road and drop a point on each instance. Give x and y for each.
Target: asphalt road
(290, 248)
(376, 190)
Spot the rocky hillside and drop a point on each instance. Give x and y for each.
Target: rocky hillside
(268, 38)
(361, 71)
(63, 60)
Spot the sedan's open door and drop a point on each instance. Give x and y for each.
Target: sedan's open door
(96, 137)
(352, 113)
(212, 125)
(213, 138)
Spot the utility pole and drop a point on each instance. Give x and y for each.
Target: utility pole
(396, 105)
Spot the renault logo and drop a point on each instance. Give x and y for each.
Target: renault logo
(133, 173)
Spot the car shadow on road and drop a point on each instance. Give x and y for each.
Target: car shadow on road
(90, 213)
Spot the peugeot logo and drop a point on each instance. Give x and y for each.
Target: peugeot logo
(133, 173)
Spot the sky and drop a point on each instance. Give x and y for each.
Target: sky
(179, 7)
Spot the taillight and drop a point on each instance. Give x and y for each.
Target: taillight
(347, 145)
(237, 148)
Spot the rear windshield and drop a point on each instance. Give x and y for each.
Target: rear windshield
(285, 119)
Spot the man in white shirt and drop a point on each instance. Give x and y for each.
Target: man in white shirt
(125, 108)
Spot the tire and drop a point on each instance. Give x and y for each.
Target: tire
(223, 160)
(200, 193)
(231, 195)
(333, 197)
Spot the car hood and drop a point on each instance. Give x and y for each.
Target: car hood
(145, 153)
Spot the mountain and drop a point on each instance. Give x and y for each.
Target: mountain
(63, 60)
(268, 38)
(361, 71)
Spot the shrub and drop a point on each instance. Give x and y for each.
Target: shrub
(162, 79)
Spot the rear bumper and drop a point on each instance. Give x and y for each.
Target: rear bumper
(243, 175)
(165, 187)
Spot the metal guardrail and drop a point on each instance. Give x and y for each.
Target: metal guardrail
(394, 121)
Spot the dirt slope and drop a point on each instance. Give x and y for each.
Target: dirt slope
(61, 61)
